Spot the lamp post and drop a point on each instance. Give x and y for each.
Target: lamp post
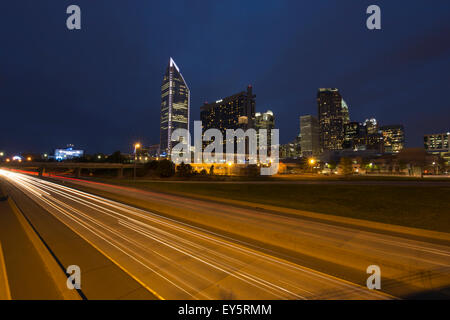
(312, 161)
(136, 146)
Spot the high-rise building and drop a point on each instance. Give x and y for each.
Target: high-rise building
(352, 131)
(266, 121)
(309, 132)
(332, 118)
(393, 138)
(436, 143)
(175, 106)
(291, 150)
(371, 126)
(358, 138)
(233, 112)
(345, 112)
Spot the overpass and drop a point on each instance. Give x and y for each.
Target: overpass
(41, 167)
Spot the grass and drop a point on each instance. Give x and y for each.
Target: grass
(426, 207)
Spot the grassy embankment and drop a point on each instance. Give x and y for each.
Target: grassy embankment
(418, 206)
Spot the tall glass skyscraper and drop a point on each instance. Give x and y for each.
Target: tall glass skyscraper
(333, 115)
(175, 106)
(310, 141)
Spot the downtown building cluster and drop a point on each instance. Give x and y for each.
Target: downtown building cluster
(237, 111)
(333, 132)
(327, 136)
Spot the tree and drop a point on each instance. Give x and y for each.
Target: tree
(184, 170)
(116, 157)
(166, 168)
(346, 166)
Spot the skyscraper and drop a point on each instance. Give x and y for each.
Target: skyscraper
(393, 138)
(309, 131)
(233, 112)
(352, 131)
(371, 126)
(345, 112)
(175, 106)
(266, 121)
(333, 115)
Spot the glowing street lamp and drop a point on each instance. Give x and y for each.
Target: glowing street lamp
(137, 145)
(312, 162)
(28, 158)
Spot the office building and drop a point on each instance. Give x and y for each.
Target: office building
(371, 126)
(233, 112)
(309, 132)
(291, 150)
(352, 131)
(266, 121)
(332, 118)
(345, 112)
(393, 138)
(68, 153)
(175, 106)
(437, 143)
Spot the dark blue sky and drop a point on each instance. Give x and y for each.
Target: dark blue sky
(99, 88)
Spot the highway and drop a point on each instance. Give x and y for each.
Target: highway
(174, 259)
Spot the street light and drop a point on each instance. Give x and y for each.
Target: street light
(312, 161)
(137, 145)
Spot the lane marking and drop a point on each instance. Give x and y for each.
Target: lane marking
(54, 270)
(5, 292)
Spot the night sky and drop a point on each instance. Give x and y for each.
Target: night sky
(99, 88)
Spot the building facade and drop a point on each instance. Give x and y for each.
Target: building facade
(352, 131)
(371, 126)
(233, 112)
(436, 143)
(291, 150)
(393, 138)
(332, 118)
(265, 121)
(309, 132)
(175, 106)
(68, 153)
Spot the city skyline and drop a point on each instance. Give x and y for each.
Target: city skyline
(216, 159)
(116, 99)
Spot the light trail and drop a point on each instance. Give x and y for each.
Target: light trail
(180, 261)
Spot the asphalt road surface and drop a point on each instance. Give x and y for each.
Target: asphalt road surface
(178, 260)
